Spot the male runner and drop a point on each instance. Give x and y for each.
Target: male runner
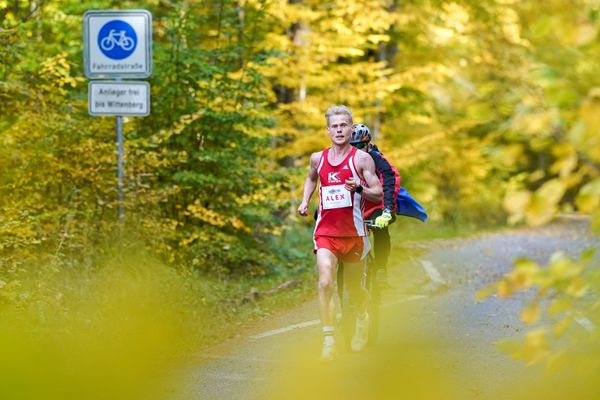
(347, 178)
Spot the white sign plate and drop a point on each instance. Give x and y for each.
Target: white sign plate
(117, 44)
(118, 98)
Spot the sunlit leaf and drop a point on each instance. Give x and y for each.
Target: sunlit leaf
(509, 346)
(577, 288)
(560, 305)
(587, 202)
(531, 313)
(540, 211)
(543, 206)
(561, 326)
(562, 268)
(535, 347)
(504, 289)
(480, 112)
(517, 202)
(485, 293)
(565, 165)
(586, 34)
(552, 191)
(524, 272)
(588, 197)
(588, 255)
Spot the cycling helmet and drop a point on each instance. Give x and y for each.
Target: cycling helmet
(360, 133)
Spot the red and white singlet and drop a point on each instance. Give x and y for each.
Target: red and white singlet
(340, 212)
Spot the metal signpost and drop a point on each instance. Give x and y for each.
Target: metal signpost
(117, 44)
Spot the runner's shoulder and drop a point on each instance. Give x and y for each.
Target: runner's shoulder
(315, 157)
(363, 157)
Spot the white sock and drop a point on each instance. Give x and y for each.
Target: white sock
(328, 332)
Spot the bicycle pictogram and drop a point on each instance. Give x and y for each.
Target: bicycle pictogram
(115, 38)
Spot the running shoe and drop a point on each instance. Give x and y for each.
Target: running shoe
(361, 333)
(328, 352)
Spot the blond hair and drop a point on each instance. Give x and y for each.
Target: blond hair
(338, 110)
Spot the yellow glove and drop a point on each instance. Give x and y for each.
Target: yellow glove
(384, 219)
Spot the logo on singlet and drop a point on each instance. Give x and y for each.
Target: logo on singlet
(333, 177)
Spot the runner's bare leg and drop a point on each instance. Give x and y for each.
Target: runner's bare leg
(326, 263)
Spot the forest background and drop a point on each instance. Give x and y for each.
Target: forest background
(490, 109)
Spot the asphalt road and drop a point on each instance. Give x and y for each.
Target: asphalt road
(436, 341)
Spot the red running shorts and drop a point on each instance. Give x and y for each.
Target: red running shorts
(350, 249)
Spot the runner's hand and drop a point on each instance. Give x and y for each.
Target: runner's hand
(350, 185)
(384, 219)
(303, 209)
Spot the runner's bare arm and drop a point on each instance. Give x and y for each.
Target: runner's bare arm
(310, 183)
(366, 168)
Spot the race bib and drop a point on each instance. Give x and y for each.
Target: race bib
(335, 196)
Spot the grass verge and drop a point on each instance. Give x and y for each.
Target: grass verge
(114, 330)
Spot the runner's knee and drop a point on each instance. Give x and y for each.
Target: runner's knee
(325, 282)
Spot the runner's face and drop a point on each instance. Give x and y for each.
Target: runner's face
(339, 129)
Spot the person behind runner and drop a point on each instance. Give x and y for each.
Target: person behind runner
(347, 177)
(383, 212)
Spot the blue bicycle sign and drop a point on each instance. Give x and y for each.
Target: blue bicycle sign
(117, 39)
(117, 44)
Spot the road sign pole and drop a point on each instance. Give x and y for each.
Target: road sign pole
(121, 202)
